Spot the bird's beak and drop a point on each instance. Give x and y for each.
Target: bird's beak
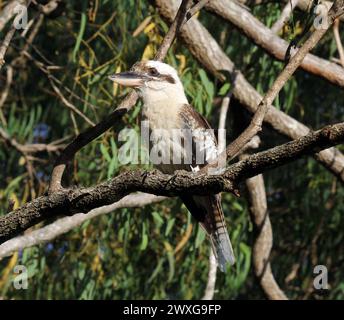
(129, 79)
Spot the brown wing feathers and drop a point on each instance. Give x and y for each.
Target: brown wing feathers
(207, 210)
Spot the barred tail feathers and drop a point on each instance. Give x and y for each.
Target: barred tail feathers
(208, 211)
(219, 237)
(222, 247)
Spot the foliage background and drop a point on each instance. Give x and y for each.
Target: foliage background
(158, 252)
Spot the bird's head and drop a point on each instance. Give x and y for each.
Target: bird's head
(154, 80)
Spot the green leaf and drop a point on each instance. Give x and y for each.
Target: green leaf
(105, 153)
(144, 240)
(224, 89)
(209, 87)
(199, 237)
(237, 206)
(156, 270)
(169, 226)
(158, 220)
(80, 34)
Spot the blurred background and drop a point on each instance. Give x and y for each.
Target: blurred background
(60, 88)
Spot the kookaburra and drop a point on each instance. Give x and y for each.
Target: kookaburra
(167, 110)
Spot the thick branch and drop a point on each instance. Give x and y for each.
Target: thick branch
(269, 41)
(114, 118)
(272, 158)
(65, 224)
(208, 52)
(8, 12)
(283, 77)
(83, 200)
(263, 242)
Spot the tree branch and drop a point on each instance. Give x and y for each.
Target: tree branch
(208, 52)
(5, 44)
(210, 288)
(7, 13)
(65, 224)
(263, 241)
(285, 14)
(251, 27)
(338, 41)
(30, 147)
(114, 118)
(257, 120)
(69, 201)
(5, 92)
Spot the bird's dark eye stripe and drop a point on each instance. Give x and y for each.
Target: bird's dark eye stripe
(168, 79)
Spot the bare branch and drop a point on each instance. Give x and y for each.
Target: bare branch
(68, 104)
(274, 45)
(174, 28)
(65, 224)
(263, 242)
(69, 201)
(197, 7)
(208, 52)
(8, 38)
(338, 41)
(223, 112)
(210, 289)
(114, 118)
(8, 12)
(5, 44)
(4, 95)
(30, 147)
(285, 14)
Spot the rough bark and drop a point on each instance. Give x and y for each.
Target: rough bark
(263, 240)
(264, 37)
(208, 52)
(69, 201)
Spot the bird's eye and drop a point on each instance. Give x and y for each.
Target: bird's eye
(153, 72)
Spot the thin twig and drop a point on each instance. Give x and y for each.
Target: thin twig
(65, 224)
(8, 38)
(196, 8)
(68, 104)
(75, 200)
(338, 41)
(26, 149)
(210, 289)
(209, 53)
(224, 110)
(285, 14)
(256, 123)
(174, 28)
(4, 95)
(114, 118)
(5, 44)
(7, 13)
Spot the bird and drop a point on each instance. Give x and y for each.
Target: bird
(167, 110)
